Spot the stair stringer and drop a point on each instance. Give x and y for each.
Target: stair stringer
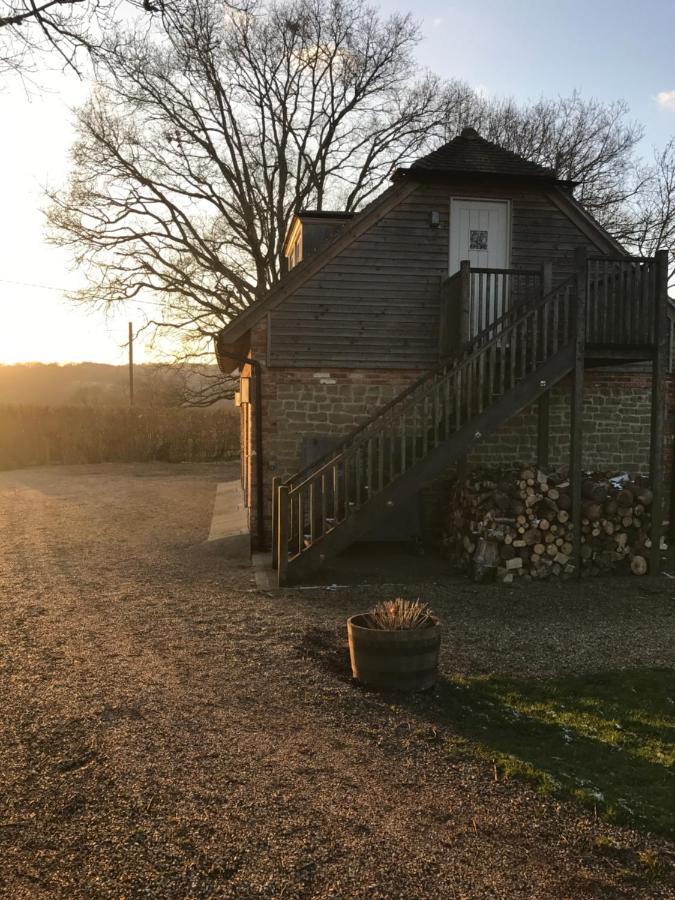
(363, 520)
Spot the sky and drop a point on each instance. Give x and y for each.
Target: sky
(608, 49)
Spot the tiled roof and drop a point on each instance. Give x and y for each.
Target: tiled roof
(469, 152)
(325, 214)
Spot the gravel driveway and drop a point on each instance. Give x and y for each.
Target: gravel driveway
(167, 731)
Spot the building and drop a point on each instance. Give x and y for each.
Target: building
(475, 311)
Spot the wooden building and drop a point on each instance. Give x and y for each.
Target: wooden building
(474, 309)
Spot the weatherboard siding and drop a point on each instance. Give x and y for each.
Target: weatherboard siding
(376, 305)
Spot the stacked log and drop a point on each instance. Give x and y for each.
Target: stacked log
(517, 523)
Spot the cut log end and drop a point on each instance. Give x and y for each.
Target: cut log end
(638, 565)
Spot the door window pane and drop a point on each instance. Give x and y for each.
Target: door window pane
(478, 239)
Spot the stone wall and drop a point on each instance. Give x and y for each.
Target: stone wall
(616, 426)
(301, 403)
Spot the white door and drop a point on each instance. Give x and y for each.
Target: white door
(479, 232)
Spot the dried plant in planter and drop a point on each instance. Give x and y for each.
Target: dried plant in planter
(400, 615)
(395, 646)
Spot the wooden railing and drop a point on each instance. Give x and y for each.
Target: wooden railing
(327, 494)
(621, 309)
(474, 299)
(495, 291)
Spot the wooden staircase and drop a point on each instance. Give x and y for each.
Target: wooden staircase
(510, 363)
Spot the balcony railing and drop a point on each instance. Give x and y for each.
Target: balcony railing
(621, 308)
(473, 300)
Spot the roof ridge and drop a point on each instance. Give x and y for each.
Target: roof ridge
(513, 153)
(470, 152)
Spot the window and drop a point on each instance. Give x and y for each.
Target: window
(295, 256)
(478, 239)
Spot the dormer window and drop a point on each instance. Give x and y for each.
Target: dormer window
(309, 230)
(293, 245)
(295, 255)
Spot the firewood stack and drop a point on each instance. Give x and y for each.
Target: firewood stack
(518, 524)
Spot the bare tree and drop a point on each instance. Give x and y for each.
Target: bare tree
(30, 26)
(586, 141)
(210, 125)
(594, 144)
(205, 134)
(651, 211)
(32, 30)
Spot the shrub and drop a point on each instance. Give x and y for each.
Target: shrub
(43, 435)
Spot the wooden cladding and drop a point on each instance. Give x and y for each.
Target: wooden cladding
(378, 303)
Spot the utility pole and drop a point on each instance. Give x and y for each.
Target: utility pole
(131, 364)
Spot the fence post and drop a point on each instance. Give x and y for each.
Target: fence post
(658, 412)
(283, 522)
(577, 402)
(276, 481)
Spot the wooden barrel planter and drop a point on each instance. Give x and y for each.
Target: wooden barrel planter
(403, 660)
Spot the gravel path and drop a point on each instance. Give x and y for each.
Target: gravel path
(168, 731)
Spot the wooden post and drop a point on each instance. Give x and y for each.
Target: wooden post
(444, 320)
(546, 278)
(671, 507)
(131, 364)
(577, 403)
(276, 481)
(283, 525)
(465, 301)
(659, 369)
(543, 431)
(462, 467)
(543, 406)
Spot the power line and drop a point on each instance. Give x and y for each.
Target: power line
(63, 290)
(44, 287)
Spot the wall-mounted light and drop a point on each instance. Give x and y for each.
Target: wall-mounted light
(434, 218)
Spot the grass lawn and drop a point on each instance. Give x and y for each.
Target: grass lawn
(607, 739)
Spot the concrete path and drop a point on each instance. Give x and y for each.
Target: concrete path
(229, 521)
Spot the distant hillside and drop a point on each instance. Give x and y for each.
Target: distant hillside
(94, 384)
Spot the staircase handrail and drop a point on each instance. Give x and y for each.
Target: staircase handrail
(519, 309)
(428, 381)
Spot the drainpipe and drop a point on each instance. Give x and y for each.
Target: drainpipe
(670, 309)
(257, 411)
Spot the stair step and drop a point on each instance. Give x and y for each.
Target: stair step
(420, 466)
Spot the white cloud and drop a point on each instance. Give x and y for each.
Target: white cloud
(666, 100)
